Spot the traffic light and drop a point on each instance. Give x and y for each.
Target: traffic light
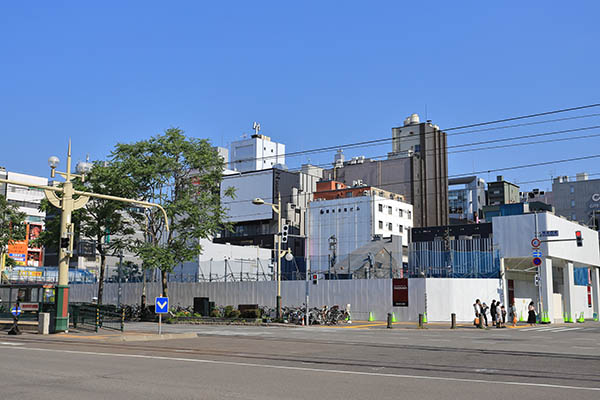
(315, 279)
(579, 238)
(285, 229)
(64, 243)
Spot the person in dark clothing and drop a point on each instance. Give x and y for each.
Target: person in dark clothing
(531, 319)
(493, 312)
(484, 310)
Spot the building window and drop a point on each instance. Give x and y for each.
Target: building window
(333, 210)
(401, 228)
(389, 226)
(348, 194)
(380, 224)
(574, 217)
(409, 214)
(381, 208)
(572, 189)
(400, 213)
(327, 211)
(345, 209)
(357, 208)
(572, 203)
(322, 212)
(390, 210)
(340, 210)
(351, 209)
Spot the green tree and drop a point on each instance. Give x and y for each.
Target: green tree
(12, 227)
(183, 175)
(99, 219)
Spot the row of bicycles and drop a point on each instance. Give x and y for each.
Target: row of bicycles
(325, 315)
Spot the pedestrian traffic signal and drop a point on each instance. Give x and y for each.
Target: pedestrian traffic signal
(64, 243)
(315, 279)
(285, 229)
(579, 238)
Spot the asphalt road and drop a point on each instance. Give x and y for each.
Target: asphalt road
(307, 363)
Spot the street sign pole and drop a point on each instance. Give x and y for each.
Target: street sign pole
(161, 306)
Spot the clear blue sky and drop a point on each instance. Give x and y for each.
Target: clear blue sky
(312, 73)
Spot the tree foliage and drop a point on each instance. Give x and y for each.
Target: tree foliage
(183, 175)
(100, 219)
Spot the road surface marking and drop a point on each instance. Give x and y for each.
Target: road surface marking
(11, 344)
(290, 368)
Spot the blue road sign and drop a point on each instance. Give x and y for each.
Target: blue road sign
(537, 261)
(16, 311)
(161, 305)
(537, 253)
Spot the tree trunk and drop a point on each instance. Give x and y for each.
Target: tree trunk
(165, 290)
(101, 280)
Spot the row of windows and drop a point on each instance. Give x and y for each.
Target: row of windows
(390, 211)
(345, 209)
(390, 227)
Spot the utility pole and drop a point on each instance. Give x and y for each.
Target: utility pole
(120, 278)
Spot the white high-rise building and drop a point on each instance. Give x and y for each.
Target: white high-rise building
(256, 153)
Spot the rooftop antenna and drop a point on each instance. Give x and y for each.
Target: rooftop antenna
(256, 127)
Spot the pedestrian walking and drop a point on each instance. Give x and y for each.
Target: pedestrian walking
(531, 318)
(493, 312)
(513, 314)
(484, 310)
(477, 309)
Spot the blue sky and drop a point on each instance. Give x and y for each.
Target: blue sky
(312, 73)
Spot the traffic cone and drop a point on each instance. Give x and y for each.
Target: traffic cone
(394, 317)
(569, 318)
(521, 318)
(425, 318)
(581, 318)
(371, 317)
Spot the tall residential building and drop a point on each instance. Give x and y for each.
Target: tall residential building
(351, 217)
(502, 192)
(417, 168)
(466, 198)
(577, 200)
(255, 154)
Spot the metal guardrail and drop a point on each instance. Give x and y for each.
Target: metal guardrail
(98, 316)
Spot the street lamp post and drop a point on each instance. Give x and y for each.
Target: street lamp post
(67, 204)
(288, 254)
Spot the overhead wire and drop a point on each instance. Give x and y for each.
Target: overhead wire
(387, 139)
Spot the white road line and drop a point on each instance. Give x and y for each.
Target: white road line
(331, 371)
(11, 344)
(565, 329)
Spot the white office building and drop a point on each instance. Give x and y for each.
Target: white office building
(256, 153)
(354, 222)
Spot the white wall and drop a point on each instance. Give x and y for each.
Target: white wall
(444, 296)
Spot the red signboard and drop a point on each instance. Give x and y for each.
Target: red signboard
(400, 292)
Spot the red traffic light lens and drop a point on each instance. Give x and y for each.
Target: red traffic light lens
(578, 234)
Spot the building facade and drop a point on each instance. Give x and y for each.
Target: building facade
(26, 252)
(338, 226)
(417, 168)
(256, 153)
(466, 198)
(502, 192)
(577, 200)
